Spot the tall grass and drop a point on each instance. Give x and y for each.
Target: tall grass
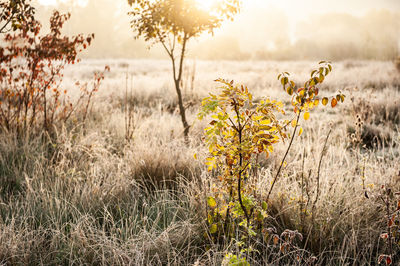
(87, 196)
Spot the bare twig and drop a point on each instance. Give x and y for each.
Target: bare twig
(319, 169)
(284, 157)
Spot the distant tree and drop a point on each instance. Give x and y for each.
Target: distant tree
(173, 23)
(13, 13)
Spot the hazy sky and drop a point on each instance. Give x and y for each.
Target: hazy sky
(303, 8)
(295, 10)
(299, 9)
(261, 24)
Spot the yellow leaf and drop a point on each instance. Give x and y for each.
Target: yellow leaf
(306, 115)
(271, 148)
(195, 156)
(265, 122)
(257, 117)
(211, 202)
(325, 101)
(294, 123)
(213, 229)
(300, 131)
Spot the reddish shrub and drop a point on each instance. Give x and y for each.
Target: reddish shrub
(31, 72)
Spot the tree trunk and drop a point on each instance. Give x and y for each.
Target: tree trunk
(177, 80)
(182, 112)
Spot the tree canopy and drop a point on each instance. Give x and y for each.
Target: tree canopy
(156, 20)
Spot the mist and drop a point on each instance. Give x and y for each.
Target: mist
(265, 30)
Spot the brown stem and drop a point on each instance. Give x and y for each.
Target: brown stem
(177, 81)
(228, 211)
(302, 193)
(240, 129)
(388, 224)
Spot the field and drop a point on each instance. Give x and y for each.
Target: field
(125, 189)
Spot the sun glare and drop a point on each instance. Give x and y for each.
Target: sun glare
(47, 2)
(55, 2)
(206, 4)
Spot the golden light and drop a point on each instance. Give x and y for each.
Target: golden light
(56, 2)
(206, 5)
(47, 2)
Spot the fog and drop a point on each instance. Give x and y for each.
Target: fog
(264, 30)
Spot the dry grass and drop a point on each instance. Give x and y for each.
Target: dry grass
(89, 197)
(397, 63)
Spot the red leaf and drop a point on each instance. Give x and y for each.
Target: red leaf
(276, 239)
(334, 102)
(380, 258)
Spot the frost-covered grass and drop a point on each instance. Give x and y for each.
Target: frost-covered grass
(92, 197)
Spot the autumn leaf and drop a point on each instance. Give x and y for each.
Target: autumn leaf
(276, 239)
(300, 131)
(306, 115)
(213, 228)
(384, 236)
(334, 102)
(264, 206)
(211, 202)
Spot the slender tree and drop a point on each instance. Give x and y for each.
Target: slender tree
(172, 23)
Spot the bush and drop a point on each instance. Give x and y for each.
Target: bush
(31, 73)
(240, 132)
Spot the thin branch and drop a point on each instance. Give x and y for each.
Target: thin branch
(319, 168)
(232, 123)
(182, 57)
(284, 157)
(169, 52)
(302, 209)
(244, 168)
(249, 118)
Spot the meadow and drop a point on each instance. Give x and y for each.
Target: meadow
(124, 189)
